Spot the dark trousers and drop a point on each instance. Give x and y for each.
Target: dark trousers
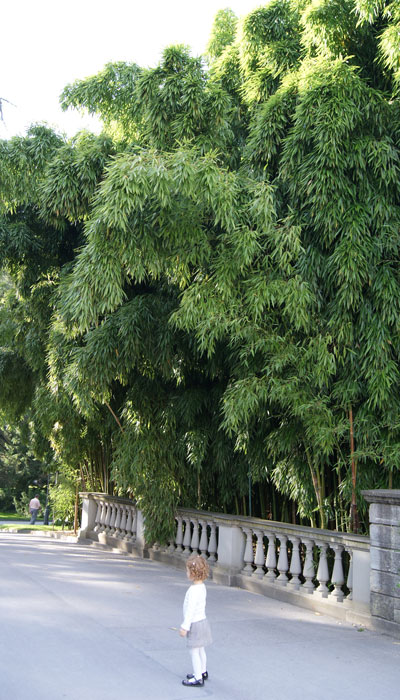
(34, 513)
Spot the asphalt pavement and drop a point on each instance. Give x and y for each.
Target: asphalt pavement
(85, 624)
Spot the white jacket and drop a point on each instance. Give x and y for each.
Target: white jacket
(194, 605)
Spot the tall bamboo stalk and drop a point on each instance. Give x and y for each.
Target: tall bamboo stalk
(354, 511)
(319, 488)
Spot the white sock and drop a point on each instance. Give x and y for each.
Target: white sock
(196, 662)
(203, 659)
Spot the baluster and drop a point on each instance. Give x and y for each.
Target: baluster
(108, 518)
(349, 582)
(248, 552)
(179, 535)
(212, 545)
(295, 564)
(259, 558)
(114, 516)
(187, 538)
(117, 517)
(283, 562)
(270, 562)
(195, 541)
(203, 546)
(337, 573)
(103, 516)
(134, 524)
(323, 571)
(308, 570)
(124, 518)
(97, 519)
(122, 527)
(128, 524)
(171, 546)
(117, 522)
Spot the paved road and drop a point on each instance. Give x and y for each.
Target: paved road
(85, 624)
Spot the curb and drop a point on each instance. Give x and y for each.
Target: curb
(58, 535)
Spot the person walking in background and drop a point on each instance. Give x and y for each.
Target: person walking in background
(34, 507)
(195, 625)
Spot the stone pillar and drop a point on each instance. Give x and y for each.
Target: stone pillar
(231, 543)
(140, 535)
(89, 510)
(384, 516)
(360, 573)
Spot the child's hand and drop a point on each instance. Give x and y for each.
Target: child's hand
(182, 632)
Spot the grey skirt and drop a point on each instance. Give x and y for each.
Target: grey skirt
(199, 634)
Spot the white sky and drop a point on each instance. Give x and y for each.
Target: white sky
(46, 44)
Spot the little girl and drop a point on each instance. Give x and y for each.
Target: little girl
(195, 626)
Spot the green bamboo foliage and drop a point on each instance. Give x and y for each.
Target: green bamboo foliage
(223, 33)
(209, 291)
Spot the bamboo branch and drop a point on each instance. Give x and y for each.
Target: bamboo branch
(115, 416)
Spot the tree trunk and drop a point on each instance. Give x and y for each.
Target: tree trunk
(261, 491)
(319, 488)
(198, 490)
(354, 512)
(273, 503)
(293, 513)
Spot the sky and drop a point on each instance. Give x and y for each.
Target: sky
(47, 44)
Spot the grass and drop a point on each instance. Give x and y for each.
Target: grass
(26, 526)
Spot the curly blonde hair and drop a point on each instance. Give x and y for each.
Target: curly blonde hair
(197, 568)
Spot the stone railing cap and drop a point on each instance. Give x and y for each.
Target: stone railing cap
(87, 494)
(106, 496)
(390, 497)
(357, 541)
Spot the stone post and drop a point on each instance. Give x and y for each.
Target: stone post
(89, 510)
(231, 542)
(384, 516)
(140, 535)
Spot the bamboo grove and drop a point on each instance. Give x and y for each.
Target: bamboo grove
(201, 305)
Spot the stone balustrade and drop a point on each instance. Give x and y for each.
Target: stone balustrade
(112, 521)
(317, 569)
(332, 572)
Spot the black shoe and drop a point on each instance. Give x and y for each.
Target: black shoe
(205, 675)
(192, 681)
